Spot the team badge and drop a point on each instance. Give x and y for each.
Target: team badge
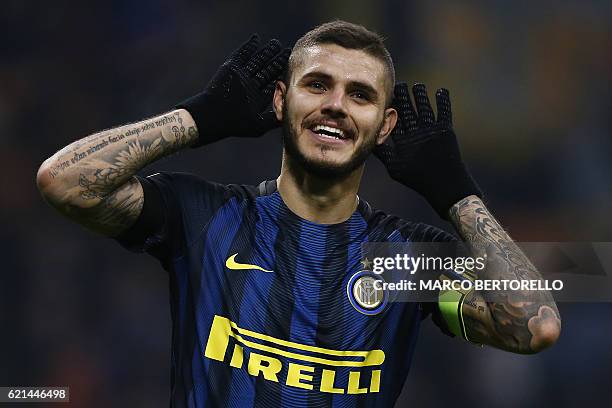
(366, 296)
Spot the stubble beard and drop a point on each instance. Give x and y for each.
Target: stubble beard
(323, 168)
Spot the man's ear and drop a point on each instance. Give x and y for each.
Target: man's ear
(389, 123)
(279, 98)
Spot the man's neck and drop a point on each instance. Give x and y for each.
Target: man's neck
(321, 200)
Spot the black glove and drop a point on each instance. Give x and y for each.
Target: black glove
(425, 154)
(236, 101)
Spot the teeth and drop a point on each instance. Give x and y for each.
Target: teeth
(329, 129)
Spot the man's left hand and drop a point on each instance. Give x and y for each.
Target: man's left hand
(425, 154)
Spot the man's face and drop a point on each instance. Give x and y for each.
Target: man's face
(333, 109)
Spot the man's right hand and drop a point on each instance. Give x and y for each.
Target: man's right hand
(92, 180)
(236, 101)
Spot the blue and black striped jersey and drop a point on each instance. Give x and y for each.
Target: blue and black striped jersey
(260, 300)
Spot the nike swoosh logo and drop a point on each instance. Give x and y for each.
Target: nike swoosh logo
(232, 264)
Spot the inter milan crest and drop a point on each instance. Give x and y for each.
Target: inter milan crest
(366, 294)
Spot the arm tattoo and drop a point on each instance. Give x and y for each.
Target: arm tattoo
(117, 211)
(513, 320)
(94, 175)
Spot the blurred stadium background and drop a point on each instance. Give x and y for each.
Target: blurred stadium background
(530, 82)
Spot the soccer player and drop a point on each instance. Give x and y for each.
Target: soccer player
(262, 277)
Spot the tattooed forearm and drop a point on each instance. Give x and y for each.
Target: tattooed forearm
(519, 321)
(117, 211)
(75, 152)
(91, 180)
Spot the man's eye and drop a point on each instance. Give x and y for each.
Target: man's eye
(361, 95)
(317, 85)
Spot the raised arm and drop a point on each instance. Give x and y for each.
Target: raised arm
(92, 180)
(518, 321)
(425, 156)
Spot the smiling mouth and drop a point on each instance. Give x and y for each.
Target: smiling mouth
(330, 132)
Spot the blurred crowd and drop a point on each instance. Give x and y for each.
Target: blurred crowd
(530, 84)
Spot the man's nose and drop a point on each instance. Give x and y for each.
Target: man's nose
(334, 104)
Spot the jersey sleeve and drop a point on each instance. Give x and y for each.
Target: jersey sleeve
(176, 208)
(418, 232)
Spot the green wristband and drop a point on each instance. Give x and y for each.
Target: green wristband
(450, 303)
